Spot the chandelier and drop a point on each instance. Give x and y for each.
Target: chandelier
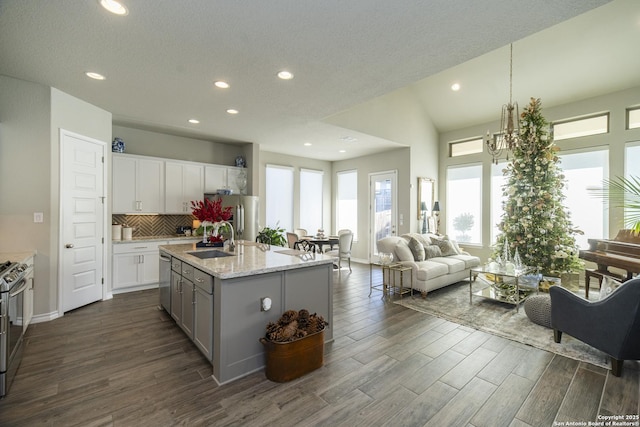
(509, 135)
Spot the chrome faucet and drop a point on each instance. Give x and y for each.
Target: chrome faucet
(232, 244)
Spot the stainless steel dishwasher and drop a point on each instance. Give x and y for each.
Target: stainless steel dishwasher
(164, 284)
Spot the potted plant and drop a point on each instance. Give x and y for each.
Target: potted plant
(272, 236)
(294, 345)
(622, 192)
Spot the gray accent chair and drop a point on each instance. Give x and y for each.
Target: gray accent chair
(611, 325)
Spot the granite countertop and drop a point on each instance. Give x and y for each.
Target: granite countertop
(159, 238)
(16, 256)
(252, 259)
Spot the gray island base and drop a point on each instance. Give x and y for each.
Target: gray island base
(224, 300)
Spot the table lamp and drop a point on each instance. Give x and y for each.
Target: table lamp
(423, 208)
(436, 212)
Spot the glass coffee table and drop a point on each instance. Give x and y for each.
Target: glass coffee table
(511, 287)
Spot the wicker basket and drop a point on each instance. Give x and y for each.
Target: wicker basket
(287, 361)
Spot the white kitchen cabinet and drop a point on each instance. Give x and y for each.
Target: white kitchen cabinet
(184, 182)
(138, 184)
(215, 177)
(136, 266)
(222, 177)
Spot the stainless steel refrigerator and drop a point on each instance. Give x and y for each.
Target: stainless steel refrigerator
(246, 210)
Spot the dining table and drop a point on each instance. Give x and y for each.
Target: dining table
(321, 241)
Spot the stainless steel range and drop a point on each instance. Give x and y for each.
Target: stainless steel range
(13, 283)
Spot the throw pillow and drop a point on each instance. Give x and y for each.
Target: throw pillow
(402, 251)
(445, 247)
(416, 249)
(432, 251)
(609, 286)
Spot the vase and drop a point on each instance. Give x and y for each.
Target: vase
(286, 361)
(117, 146)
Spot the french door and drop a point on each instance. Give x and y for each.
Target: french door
(383, 207)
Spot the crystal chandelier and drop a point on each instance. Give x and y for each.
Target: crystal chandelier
(509, 136)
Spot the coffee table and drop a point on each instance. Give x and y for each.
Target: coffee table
(501, 285)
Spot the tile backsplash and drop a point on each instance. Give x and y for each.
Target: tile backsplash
(153, 225)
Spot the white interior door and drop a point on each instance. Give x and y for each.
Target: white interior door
(82, 216)
(383, 207)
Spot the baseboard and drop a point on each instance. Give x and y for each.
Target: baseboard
(47, 317)
(135, 288)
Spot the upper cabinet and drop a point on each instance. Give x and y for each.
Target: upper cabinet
(144, 184)
(184, 182)
(138, 184)
(222, 177)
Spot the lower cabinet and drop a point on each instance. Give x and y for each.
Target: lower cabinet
(135, 266)
(192, 304)
(203, 314)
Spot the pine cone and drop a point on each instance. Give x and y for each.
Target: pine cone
(303, 319)
(288, 317)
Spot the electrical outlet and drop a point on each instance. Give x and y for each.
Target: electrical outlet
(38, 217)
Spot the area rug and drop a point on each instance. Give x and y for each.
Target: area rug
(452, 303)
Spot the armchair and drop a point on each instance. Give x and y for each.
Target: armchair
(611, 325)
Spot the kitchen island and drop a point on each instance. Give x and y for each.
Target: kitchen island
(224, 300)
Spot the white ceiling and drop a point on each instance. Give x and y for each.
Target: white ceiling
(162, 58)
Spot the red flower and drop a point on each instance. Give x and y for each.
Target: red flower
(211, 210)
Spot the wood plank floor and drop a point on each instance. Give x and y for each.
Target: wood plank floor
(125, 363)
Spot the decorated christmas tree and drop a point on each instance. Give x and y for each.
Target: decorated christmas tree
(534, 220)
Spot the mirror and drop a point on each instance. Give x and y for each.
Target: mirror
(426, 188)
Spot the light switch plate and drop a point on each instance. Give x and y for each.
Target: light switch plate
(38, 217)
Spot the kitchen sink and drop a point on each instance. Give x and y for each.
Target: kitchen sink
(211, 253)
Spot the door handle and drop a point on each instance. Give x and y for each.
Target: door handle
(68, 245)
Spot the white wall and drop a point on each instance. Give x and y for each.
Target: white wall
(25, 173)
(615, 103)
(30, 118)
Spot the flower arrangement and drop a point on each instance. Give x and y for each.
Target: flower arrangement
(211, 212)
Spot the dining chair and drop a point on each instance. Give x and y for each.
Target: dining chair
(304, 245)
(292, 238)
(345, 241)
(301, 232)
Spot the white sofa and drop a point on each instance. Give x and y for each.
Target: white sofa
(440, 268)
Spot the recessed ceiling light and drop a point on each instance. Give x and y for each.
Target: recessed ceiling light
(232, 111)
(114, 7)
(221, 84)
(455, 87)
(194, 121)
(95, 76)
(342, 151)
(348, 139)
(307, 144)
(285, 75)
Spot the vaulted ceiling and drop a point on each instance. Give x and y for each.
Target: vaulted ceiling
(161, 60)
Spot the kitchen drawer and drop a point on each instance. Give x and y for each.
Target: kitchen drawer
(176, 265)
(122, 248)
(203, 281)
(187, 271)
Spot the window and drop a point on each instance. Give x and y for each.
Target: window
(581, 127)
(279, 197)
(464, 203)
(633, 118)
(311, 199)
(632, 165)
(587, 213)
(498, 180)
(462, 148)
(347, 202)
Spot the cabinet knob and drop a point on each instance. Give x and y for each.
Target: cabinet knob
(68, 245)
